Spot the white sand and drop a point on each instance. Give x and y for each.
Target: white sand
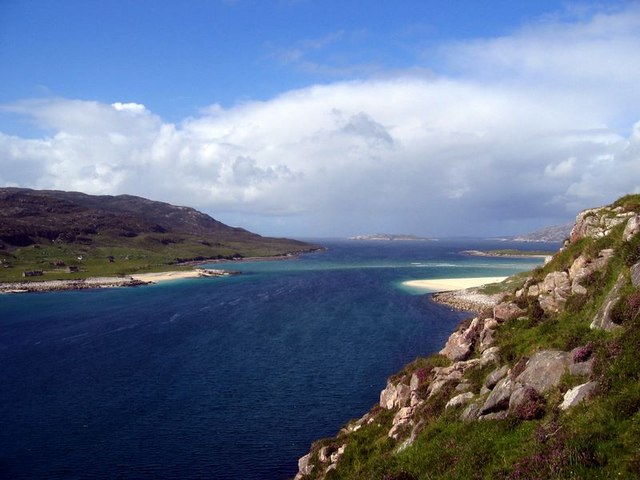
(447, 284)
(165, 276)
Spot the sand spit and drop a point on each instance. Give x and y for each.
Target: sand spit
(110, 282)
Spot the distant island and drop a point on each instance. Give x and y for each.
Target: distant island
(390, 237)
(71, 236)
(509, 253)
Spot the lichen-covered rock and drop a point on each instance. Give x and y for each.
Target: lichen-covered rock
(577, 395)
(507, 311)
(544, 370)
(603, 318)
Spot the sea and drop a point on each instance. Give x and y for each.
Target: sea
(220, 378)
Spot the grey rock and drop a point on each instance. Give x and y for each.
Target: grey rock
(577, 395)
(495, 415)
(403, 394)
(635, 275)
(388, 396)
(460, 343)
(507, 311)
(555, 289)
(490, 355)
(602, 319)
(544, 370)
(459, 400)
(471, 412)
(498, 399)
(583, 369)
(304, 466)
(632, 228)
(494, 377)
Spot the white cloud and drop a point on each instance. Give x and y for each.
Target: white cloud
(471, 154)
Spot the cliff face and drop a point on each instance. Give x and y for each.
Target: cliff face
(543, 385)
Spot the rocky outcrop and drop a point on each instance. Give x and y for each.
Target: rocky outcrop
(603, 319)
(554, 291)
(598, 222)
(460, 343)
(524, 389)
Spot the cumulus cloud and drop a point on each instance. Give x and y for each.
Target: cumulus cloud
(474, 152)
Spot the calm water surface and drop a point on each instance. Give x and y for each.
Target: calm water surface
(228, 378)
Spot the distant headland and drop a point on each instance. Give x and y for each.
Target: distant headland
(390, 237)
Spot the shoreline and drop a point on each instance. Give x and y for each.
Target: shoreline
(438, 285)
(133, 280)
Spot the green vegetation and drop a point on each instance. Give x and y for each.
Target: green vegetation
(597, 439)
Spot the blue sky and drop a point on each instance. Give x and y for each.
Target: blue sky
(309, 118)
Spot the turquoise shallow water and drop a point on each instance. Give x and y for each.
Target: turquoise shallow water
(228, 378)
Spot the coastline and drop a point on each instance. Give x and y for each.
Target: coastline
(133, 280)
(449, 284)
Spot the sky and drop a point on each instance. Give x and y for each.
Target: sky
(309, 118)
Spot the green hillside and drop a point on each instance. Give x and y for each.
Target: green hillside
(67, 235)
(546, 385)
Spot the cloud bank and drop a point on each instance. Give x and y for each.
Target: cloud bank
(518, 132)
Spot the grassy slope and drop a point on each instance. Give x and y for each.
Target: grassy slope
(144, 253)
(596, 440)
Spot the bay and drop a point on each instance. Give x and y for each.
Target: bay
(227, 378)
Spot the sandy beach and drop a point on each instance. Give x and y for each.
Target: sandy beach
(110, 282)
(448, 284)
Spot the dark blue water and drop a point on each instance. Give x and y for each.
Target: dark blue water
(228, 378)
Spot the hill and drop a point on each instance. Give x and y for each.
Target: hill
(543, 384)
(555, 233)
(50, 231)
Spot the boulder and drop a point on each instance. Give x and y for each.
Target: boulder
(632, 228)
(544, 370)
(602, 319)
(461, 342)
(471, 412)
(459, 400)
(554, 290)
(388, 396)
(499, 397)
(494, 377)
(490, 355)
(507, 311)
(403, 394)
(304, 466)
(582, 369)
(577, 395)
(501, 415)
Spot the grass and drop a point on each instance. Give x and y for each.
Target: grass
(144, 253)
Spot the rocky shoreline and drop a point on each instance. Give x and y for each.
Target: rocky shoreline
(468, 299)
